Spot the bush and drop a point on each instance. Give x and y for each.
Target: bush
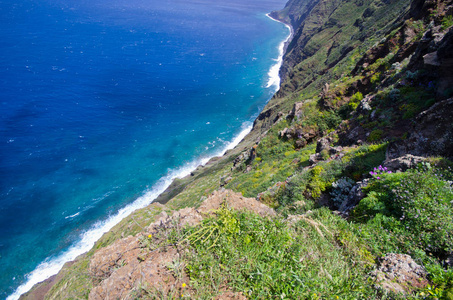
(447, 22)
(265, 258)
(375, 135)
(418, 209)
(355, 100)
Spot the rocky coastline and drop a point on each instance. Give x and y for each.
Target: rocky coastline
(364, 85)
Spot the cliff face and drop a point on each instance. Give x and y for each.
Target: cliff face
(367, 96)
(295, 12)
(327, 31)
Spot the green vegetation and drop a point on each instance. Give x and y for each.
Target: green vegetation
(309, 250)
(266, 258)
(414, 207)
(319, 255)
(447, 22)
(411, 212)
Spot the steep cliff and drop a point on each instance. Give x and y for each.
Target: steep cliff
(353, 155)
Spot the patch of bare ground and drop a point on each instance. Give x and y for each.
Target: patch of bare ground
(150, 265)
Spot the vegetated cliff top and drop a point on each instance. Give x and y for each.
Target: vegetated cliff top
(353, 157)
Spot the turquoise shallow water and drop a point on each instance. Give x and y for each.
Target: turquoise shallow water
(102, 103)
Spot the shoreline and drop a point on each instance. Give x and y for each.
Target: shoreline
(51, 266)
(291, 31)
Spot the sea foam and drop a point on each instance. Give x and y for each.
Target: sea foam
(274, 76)
(53, 265)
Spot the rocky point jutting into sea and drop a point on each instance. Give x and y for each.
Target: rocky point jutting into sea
(342, 189)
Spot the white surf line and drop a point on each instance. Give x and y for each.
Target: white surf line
(274, 76)
(52, 265)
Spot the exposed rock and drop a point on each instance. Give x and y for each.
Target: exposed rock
(355, 195)
(432, 133)
(364, 105)
(314, 158)
(300, 143)
(122, 269)
(445, 58)
(296, 111)
(300, 136)
(106, 260)
(246, 157)
(403, 163)
(235, 201)
(352, 135)
(153, 273)
(323, 144)
(224, 181)
(399, 273)
(335, 150)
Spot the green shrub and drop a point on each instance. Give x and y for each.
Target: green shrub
(265, 258)
(418, 209)
(447, 22)
(355, 100)
(375, 135)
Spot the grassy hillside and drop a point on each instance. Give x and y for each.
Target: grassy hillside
(354, 153)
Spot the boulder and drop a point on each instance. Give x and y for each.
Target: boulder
(403, 163)
(296, 111)
(355, 195)
(399, 273)
(323, 144)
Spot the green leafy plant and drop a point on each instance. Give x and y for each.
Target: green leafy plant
(447, 21)
(375, 135)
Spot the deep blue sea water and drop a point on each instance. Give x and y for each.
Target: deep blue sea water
(103, 102)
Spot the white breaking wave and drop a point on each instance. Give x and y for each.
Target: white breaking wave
(274, 77)
(53, 265)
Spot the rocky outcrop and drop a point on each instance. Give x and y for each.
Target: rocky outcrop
(431, 134)
(399, 273)
(403, 163)
(353, 198)
(442, 62)
(294, 12)
(324, 150)
(296, 112)
(129, 267)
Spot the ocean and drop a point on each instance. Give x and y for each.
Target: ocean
(103, 103)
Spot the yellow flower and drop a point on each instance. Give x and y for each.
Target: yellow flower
(336, 297)
(183, 285)
(150, 236)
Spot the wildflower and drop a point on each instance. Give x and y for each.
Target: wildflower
(150, 236)
(183, 285)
